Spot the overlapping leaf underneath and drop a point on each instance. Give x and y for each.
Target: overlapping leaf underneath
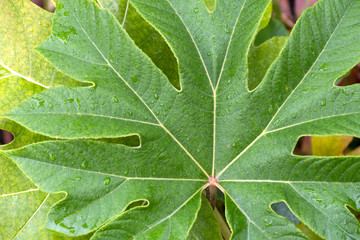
(213, 126)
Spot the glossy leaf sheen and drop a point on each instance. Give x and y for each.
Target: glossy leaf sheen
(213, 126)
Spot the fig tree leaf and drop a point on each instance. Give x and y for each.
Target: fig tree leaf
(145, 37)
(212, 132)
(24, 71)
(266, 17)
(330, 145)
(210, 5)
(206, 225)
(261, 57)
(24, 207)
(356, 151)
(275, 28)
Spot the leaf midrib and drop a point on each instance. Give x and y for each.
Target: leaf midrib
(110, 174)
(84, 114)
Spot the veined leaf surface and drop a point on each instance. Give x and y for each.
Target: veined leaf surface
(213, 132)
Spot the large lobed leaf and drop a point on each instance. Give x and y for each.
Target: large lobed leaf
(212, 127)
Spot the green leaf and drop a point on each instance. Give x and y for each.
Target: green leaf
(213, 132)
(145, 37)
(267, 17)
(275, 28)
(22, 30)
(23, 206)
(206, 225)
(330, 145)
(260, 59)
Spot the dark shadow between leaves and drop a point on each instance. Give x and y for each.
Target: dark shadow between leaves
(45, 4)
(282, 209)
(6, 137)
(130, 141)
(353, 77)
(354, 212)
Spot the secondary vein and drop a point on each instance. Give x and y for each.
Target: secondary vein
(22, 76)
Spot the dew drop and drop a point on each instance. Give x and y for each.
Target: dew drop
(134, 79)
(115, 99)
(78, 101)
(107, 181)
(78, 178)
(196, 10)
(51, 156)
(271, 109)
(268, 222)
(323, 103)
(156, 96)
(209, 54)
(64, 210)
(85, 225)
(39, 102)
(323, 68)
(84, 164)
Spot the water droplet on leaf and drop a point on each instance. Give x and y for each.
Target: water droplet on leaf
(323, 68)
(115, 99)
(323, 103)
(271, 109)
(268, 222)
(134, 79)
(51, 156)
(107, 181)
(84, 164)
